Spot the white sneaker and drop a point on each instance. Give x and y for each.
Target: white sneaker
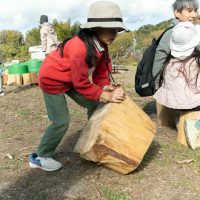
(46, 164)
(192, 133)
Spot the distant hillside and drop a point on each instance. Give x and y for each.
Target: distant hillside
(145, 33)
(129, 47)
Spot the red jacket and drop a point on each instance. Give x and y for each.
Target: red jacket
(57, 74)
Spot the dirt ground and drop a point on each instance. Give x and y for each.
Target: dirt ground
(169, 171)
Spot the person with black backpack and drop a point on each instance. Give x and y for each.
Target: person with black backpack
(149, 68)
(184, 10)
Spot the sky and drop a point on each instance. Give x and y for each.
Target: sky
(23, 15)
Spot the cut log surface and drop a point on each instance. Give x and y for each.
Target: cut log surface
(117, 136)
(184, 116)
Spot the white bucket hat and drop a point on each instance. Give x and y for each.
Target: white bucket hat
(104, 14)
(185, 36)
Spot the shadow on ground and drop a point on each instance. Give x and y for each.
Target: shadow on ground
(52, 185)
(150, 108)
(149, 156)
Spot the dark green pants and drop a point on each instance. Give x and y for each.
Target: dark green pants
(58, 114)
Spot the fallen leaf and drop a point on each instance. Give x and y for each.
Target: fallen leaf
(185, 161)
(10, 156)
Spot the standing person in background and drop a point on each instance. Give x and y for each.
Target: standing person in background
(184, 10)
(67, 70)
(48, 35)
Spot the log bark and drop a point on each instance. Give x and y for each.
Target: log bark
(117, 136)
(29, 78)
(165, 116)
(14, 79)
(5, 79)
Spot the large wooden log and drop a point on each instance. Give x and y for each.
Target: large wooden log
(117, 136)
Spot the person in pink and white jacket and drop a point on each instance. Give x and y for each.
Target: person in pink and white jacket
(180, 87)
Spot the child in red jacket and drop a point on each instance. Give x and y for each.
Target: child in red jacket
(66, 71)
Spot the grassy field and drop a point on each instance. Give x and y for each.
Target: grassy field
(169, 171)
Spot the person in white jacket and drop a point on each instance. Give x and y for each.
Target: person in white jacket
(48, 36)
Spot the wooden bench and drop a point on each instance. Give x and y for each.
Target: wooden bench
(115, 69)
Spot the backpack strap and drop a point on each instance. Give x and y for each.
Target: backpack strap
(109, 72)
(158, 40)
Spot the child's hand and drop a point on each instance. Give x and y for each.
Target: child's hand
(116, 96)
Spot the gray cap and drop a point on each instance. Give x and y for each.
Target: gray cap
(43, 18)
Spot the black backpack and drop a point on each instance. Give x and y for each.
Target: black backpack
(144, 80)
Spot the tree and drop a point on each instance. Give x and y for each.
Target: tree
(8, 51)
(75, 28)
(121, 43)
(33, 37)
(65, 29)
(11, 37)
(11, 42)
